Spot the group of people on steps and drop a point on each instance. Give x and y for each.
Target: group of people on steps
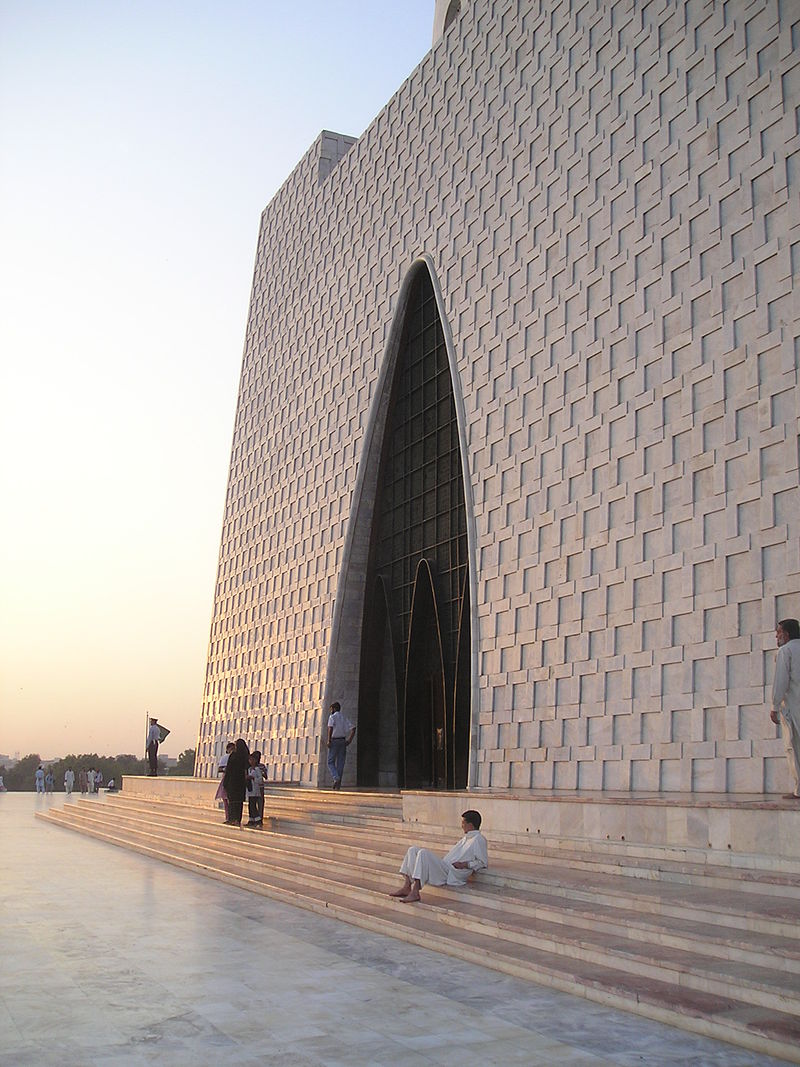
(243, 775)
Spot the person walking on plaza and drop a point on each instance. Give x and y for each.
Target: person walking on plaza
(90, 780)
(786, 696)
(235, 781)
(340, 733)
(39, 779)
(49, 781)
(153, 740)
(423, 867)
(69, 780)
(83, 782)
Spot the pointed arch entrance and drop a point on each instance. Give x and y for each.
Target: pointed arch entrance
(414, 685)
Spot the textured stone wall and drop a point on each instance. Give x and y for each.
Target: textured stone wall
(609, 194)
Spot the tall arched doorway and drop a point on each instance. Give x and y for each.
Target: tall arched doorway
(414, 686)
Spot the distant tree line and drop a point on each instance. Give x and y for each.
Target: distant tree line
(20, 777)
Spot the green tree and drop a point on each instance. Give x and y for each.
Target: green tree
(19, 778)
(185, 764)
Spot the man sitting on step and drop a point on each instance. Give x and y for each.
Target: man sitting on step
(423, 867)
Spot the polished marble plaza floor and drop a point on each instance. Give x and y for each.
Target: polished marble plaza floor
(108, 957)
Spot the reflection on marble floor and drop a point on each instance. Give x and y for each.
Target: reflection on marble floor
(109, 957)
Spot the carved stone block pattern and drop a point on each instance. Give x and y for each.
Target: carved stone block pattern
(610, 195)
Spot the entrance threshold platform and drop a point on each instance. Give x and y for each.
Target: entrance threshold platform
(746, 829)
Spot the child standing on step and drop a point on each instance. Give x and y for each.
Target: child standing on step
(263, 770)
(255, 790)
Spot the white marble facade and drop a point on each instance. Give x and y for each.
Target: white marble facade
(607, 196)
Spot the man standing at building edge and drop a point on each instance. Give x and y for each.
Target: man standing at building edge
(340, 733)
(786, 696)
(153, 738)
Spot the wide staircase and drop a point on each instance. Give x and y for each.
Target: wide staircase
(712, 947)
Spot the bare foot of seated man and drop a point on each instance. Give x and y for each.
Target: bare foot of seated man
(410, 894)
(404, 889)
(423, 867)
(413, 894)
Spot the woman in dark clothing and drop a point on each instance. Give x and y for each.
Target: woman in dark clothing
(235, 782)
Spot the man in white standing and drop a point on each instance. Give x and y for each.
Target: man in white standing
(69, 780)
(423, 867)
(786, 696)
(340, 733)
(39, 779)
(153, 740)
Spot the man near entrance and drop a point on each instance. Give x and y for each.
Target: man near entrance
(423, 867)
(153, 738)
(340, 733)
(786, 696)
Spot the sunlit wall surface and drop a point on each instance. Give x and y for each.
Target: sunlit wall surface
(609, 194)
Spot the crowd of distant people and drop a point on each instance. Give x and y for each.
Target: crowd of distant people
(44, 780)
(89, 781)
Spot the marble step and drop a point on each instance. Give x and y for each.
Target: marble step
(312, 802)
(332, 816)
(356, 798)
(717, 869)
(650, 958)
(707, 937)
(599, 858)
(762, 1028)
(338, 801)
(516, 869)
(309, 818)
(775, 917)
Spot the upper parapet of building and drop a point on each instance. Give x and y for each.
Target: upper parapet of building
(445, 13)
(332, 148)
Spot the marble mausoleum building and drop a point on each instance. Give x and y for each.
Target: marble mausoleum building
(514, 473)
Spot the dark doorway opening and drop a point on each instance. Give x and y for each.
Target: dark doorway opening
(415, 683)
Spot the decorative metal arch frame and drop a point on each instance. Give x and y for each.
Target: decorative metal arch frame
(424, 588)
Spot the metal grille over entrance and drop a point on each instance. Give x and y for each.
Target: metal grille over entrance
(414, 706)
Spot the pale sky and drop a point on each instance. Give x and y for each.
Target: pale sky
(139, 144)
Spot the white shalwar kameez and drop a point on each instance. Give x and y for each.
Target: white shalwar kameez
(786, 701)
(425, 865)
